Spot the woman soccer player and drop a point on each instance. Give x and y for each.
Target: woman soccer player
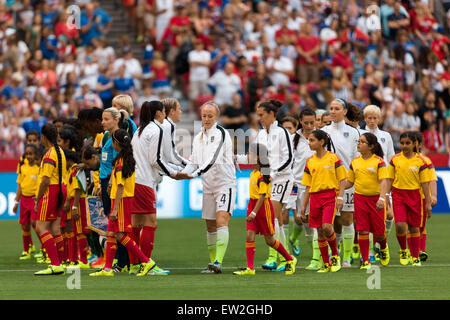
(50, 199)
(26, 190)
(324, 174)
(260, 217)
(345, 139)
(368, 173)
(301, 153)
(407, 173)
(122, 193)
(148, 153)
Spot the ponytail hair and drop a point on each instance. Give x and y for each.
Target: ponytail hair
(322, 135)
(51, 134)
(271, 106)
(305, 112)
(373, 141)
(418, 137)
(122, 137)
(354, 113)
(148, 112)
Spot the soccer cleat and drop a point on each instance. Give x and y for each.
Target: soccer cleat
(290, 266)
(116, 268)
(270, 264)
(84, 265)
(335, 264)
(295, 248)
(25, 256)
(366, 265)
(416, 262)
(355, 253)
(157, 271)
(99, 263)
(39, 254)
(423, 256)
(372, 259)
(282, 266)
(246, 272)
(207, 271)
(384, 256)
(314, 265)
(92, 258)
(325, 268)
(51, 270)
(346, 264)
(31, 248)
(66, 264)
(216, 267)
(135, 268)
(147, 267)
(102, 273)
(404, 257)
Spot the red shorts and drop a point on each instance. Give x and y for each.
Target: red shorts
(48, 204)
(407, 205)
(80, 225)
(322, 208)
(144, 200)
(26, 213)
(263, 223)
(367, 217)
(123, 222)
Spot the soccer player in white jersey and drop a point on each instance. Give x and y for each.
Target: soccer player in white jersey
(212, 159)
(345, 139)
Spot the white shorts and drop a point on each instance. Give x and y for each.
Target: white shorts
(348, 201)
(218, 201)
(281, 189)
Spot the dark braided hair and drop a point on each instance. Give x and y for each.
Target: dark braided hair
(122, 137)
(373, 141)
(418, 137)
(305, 112)
(322, 135)
(70, 133)
(271, 106)
(148, 112)
(51, 134)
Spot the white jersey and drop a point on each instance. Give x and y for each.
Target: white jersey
(169, 150)
(345, 141)
(148, 153)
(385, 140)
(212, 159)
(301, 154)
(279, 148)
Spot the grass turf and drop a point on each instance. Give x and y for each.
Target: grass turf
(181, 247)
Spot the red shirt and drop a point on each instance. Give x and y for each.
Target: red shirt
(283, 32)
(437, 45)
(62, 29)
(342, 60)
(307, 44)
(357, 35)
(179, 22)
(425, 25)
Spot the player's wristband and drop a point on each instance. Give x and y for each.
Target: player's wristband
(253, 213)
(387, 194)
(382, 199)
(340, 198)
(74, 208)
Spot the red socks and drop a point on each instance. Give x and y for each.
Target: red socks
(59, 242)
(250, 250)
(415, 244)
(82, 245)
(423, 239)
(135, 233)
(277, 245)
(323, 247)
(72, 248)
(401, 238)
(26, 239)
(364, 246)
(127, 242)
(111, 248)
(48, 242)
(147, 239)
(333, 244)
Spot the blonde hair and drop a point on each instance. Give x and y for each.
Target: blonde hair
(125, 102)
(211, 104)
(372, 109)
(169, 104)
(117, 114)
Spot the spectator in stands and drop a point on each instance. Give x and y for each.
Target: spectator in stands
(234, 116)
(280, 69)
(397, 124)
(225, 83)
(308, 48)
(199, 63)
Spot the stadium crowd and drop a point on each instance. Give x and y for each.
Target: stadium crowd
(303, 53)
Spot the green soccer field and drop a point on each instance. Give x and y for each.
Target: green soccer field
(181, 247)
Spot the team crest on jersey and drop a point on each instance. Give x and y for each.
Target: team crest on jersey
(383, 140)
(328, 167)
(413, 168)
(346, 134)
(372, 170)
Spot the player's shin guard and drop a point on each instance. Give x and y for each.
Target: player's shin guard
(348, 234)
(26, 239)
(415, 244)
(423, 239)
(72, 247)
(364, 243)
(323, 247)
(111, 248)
(401, 238)
(132, 247)
(222, 243)
(278, 246)
(272, 252)
(333, 244)
(48, 242)
(315, 246)
(211, 241)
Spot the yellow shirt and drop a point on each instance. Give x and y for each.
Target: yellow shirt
(117, 179)
(408, 174)
(96, 173)
(27, 179)
(49, 166)
(323, 173)
(74, 184)
(22, 160)
(258, 186)
(366, 174)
